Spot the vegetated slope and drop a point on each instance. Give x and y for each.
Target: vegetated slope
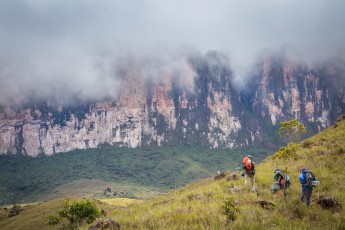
(33, 216)
(200, 205)
(26, 179)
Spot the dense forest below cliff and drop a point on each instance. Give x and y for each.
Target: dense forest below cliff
(26, 179)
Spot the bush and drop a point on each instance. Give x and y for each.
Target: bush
(74, 214)
(14, 210)
(287, 153)
(229, 208)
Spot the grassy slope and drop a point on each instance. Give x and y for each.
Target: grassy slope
(198, 205)
(34, 215)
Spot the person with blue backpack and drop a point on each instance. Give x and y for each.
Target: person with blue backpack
(308, 182)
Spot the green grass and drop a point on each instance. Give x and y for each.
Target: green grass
(121, 202)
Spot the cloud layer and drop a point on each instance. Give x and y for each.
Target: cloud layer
(64, 47)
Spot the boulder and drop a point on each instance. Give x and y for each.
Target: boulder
(232, 176)
(105, 224)
(329, 203)
(235, 189)
(220, 175)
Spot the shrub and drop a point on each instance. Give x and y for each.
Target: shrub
(287, 153)
(74, 214)
(229, 208)
(14, 210)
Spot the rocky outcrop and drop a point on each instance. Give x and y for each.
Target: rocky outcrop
(105, 224)
(175, 110)
(329, 203)
(288, 90)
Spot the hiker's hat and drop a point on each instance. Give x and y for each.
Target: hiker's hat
(303, 169)
(250, 156)
(276, 170)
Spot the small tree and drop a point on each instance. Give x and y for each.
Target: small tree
(287, 153)
(74, 214)
(292, 130)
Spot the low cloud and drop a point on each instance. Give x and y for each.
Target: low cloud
(61, 48)
(85, 76)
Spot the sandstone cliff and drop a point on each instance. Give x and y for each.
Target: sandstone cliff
(174, 110)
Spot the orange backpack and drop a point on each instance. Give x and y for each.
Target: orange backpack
(247, 163)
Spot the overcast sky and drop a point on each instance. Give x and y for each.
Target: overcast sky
(77, 46)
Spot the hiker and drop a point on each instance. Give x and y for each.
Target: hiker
(249, 169)
(308, 182)
(282, 181)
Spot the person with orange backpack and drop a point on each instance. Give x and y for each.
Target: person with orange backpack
(249, 169)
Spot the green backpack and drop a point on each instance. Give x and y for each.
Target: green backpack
(276, 186)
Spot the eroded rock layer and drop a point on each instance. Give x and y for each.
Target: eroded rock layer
(174, 110)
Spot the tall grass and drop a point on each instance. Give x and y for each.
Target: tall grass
(198, 205)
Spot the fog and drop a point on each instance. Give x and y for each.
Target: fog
(63, 48)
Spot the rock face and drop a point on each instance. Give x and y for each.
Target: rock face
(206, 110)
(290, 90)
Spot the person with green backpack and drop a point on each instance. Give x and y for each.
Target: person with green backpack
(282, 181)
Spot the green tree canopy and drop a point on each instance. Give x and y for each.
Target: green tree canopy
(74, 214)
(292, 130)
(287, 153)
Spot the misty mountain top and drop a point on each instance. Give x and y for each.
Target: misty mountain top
(84, 48)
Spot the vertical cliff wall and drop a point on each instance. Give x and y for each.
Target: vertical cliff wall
(175, 110)
(289, 90)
